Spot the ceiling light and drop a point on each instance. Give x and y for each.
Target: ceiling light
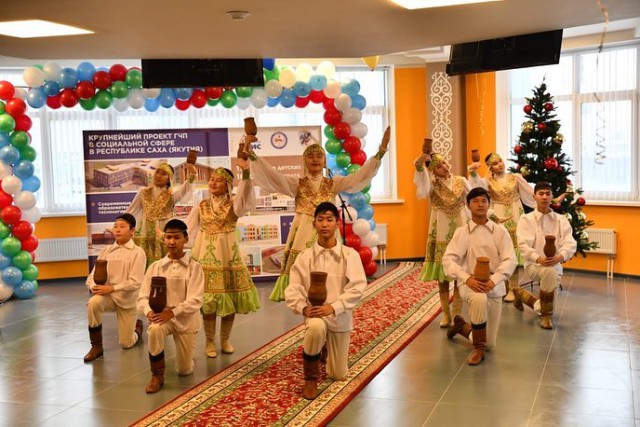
(425, 4)
(37, 28)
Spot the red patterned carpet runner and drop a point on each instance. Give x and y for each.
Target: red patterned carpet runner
(264, 388)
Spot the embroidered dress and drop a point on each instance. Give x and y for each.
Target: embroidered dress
(308, 193)
(228, 287)
(448, 212)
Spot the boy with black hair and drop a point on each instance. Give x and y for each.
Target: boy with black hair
(479, 238)
(332, 322)
(125, 269)
(181, 317)
(531, 232)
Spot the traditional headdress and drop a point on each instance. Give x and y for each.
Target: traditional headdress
(227, 175)
(436, 160)
(312, 148)
(166, 167)
(492, 157)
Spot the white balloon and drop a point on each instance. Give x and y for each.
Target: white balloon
(374, 252)
(24, 200)
(273, 88)
(243, 103)
(332, 90)
(351, 215)
(287, 77)
(327, 69)
(33, 76)
(359, 130)
(20, 93)
(352, 116)
(32, 215)
(52, 70)
(371, 239)
(303, 72)
(259, 98)
(363, 143)
(342, 102)
(5, 170)
(6, 291)
(136, 98)
(151, 93)
(361, 227)
(120, 104)
(11, 184)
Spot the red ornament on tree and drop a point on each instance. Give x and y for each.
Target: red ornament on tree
(542, 126)
(548, 106)
(517, 149)
(528, 109)
(550, 163)
(581, 201)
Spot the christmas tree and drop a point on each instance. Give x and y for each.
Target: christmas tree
(539, 157)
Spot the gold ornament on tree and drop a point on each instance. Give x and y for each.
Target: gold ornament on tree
(558, 139)
(524, 171)
(527, 127)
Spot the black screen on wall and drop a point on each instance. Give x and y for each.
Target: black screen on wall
(172, 73)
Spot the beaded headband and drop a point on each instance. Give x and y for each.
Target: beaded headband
(223, 173)
(493, 157)
(436, 160)
(313, 148)
(165, 167)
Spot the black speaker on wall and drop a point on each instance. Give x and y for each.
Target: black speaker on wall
(528, 50)
(172, 73)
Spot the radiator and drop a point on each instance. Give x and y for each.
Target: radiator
(606, 239)
(66, 249)
(381, 229)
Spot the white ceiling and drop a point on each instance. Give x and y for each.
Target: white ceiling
(134, 29)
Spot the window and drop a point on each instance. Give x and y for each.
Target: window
(57, 135)
(597, 98)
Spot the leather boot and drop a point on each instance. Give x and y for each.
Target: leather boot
(157, 373)
(323, 354)
(138, 330)
(95, 336)
(479, 344)
(443, 288)
(225, 333)
(511, 285)
(210, 335)
(546, 308)
(311, 368)
(522, 296)
(459, 327)
(456, 307)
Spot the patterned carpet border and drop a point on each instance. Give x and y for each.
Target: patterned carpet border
(264, 387)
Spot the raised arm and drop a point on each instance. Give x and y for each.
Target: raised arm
(268, 179)
(360, 179)
(525, 191)
(136, 208)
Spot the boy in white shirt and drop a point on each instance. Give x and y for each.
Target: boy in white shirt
(181, 316)
(125, 269)
(331, 323)
(531, 232)
(480, 237)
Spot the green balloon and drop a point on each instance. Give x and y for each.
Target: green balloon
(88, 104)
(328, 131)
(11, 246)
(119, 89)
(103, 99)
(134, 79)
(20, 139)
(35, 284)
(367, 198)
(333, 146)
(353, 168)
(366, 189)
(7, 124)
(4, 230)
(28, 153)
(244, 91)
(22, 260)
(228, 99)
(1, 107)
(271, 74)
(343, 159)
(31, 272)
(213, 102)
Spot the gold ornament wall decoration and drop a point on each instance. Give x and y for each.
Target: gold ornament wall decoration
(441, 100)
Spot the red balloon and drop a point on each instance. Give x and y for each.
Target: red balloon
(118, 72)
(23, 123)
(5, 199)
(198, 98)
(328, 103)
(359, 158)
(15, 107)
(332, 117)
(182, 104)
(213, 92)
(371, 268)
(102, 80)
(302, 102)
(53, 101)
(21, 230)
(30, 244)
(10, 214)
(348, 229)
(68, 98)
(85, 90)
(341, 130)
(317, 96)
(353, 241)
(6, 90)
(365, 255)
(351, 144)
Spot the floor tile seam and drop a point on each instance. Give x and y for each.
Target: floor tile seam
(444, 392)
(544, 368)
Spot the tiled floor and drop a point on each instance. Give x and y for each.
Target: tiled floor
(586, 372)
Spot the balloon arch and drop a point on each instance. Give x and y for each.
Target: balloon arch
(121, 88)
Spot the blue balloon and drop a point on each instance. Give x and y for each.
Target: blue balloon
(365, 212)
(183, 93)
(5, 260)
(152, 104)
(287, 98)
(167, 98)
(268, 63)
(357, 200)
(318, 82)
(68, 78)
(23, 169)
(331, 161)
(301, 89)
(339, 171)
(12, 275)
(9, 154)
(351, 87)
(31, 183)
(51, 88)
(273, 102)
(358, 101)
(86, 70)
(36, 98)
(372, 223)
(4, 139)
(25, 290)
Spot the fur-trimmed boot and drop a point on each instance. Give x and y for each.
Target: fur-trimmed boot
(443, 289)
(546, 309)
(157, 373)
(95, 336)
(138, 330)
(512, 284)
(209, 324)
(479, 344)
(225, 333)
(522, 298)
(456, 306)
(311, 368)
(459, 327)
